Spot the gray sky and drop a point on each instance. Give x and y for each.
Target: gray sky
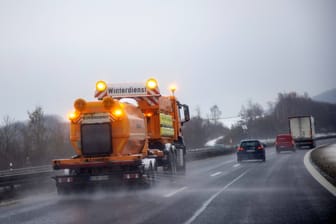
(221, 52)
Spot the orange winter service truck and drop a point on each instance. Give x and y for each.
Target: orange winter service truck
(123, 137)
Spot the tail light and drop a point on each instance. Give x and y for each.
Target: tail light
(240, 149)
(64, 179)
(128, 176)
(260, 147)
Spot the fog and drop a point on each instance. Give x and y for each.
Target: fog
(216, 52)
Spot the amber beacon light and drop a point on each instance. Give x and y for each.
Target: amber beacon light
(151, 83)
(101, 86)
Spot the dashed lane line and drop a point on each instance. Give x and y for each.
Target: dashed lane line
(175, 192)
(206, 204)
(215, 174)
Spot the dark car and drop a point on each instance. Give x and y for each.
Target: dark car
(284, 142)
(251, 149)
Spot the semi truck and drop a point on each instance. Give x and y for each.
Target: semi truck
(123, 137)
(302, 129)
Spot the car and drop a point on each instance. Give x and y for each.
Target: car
(284, 142)
(251, 149)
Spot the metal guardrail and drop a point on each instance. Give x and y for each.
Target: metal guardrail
(321, 137)
(211, 148)
(26, 170)
(24, 175)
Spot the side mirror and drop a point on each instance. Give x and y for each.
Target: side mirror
(184, 116)
(186, 113)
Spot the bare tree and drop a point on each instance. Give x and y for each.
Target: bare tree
(37, 134)
(215, 114)
(251, 112)
(8, 143)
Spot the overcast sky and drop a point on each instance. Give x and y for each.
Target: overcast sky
(222, 52)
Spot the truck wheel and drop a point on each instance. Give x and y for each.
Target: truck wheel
(61, 190)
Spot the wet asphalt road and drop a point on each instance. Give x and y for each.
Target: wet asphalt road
(215, 190)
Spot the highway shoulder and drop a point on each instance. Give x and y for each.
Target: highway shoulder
(321, 169)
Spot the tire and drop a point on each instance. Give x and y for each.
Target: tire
(61, 190)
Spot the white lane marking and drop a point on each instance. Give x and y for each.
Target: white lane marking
(215, 174)
(236, 165)
(175, 192)
(206, 204)
(317, 175)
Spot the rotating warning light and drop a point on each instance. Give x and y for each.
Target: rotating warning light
(149, 114)
(151, 83)
(80, 105)
(108, 102)
(172, 88)
(117, 112)
(73, 115)
(101, 86)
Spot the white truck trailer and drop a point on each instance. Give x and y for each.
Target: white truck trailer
(302, 129)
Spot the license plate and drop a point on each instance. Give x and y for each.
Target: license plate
(251, 150)
(98, 178)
